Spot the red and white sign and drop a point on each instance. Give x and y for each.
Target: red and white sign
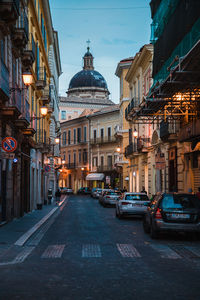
(9, 144)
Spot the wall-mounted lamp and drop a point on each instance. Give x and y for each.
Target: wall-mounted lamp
(27, 80)
(118, 149)
(135, 133)
(43, 111)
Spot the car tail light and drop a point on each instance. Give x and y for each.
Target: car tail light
(125, 203)
(158, 214)
(108, 197)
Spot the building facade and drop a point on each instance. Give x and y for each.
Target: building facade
(122, 129)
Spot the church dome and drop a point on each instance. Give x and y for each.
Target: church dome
(88, 78)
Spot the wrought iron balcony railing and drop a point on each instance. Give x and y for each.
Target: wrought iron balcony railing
(4, 81)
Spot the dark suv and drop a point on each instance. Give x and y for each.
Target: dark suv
(178, 212)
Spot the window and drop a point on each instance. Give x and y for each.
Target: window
(109, 133)
(74, 135)
(69, 137)
(95, 161)
(85, 134)
(69, 159)
(63, 115)
(79, 135)
(79, 156)
(109, 160)
(85, 156)
(95, 134)
(102, 133)
(74, 158)
(64, 138)
(102, 161)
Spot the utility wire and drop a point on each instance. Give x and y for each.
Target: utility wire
(101, 8)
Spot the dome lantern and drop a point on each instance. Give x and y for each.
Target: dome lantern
(88, 59)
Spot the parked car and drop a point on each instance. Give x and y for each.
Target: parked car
(84, 191)
(93, 193)
(98, 193)
(103, 191)
(172, 212)
(66, 190)
(132, 204)
(110, 197)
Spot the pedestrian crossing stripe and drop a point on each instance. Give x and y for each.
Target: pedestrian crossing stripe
(126, 251)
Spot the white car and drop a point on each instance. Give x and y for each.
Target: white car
(132, 204)
(111, 197)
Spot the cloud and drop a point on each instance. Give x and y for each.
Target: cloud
(118, 42)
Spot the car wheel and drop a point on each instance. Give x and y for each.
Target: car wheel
(146, 226)
(153, 232)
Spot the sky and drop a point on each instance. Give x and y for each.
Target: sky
(117, 30)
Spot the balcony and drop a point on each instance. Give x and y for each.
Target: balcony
(20, 34)
(24, 120)
(168, 131)
(190, 132)
(132, 108)
(130, 149)
(14, 106)
(118, 131)
(105, 168)
(142, 144)
(71, 166)
(28, 56)
(103, 140)
(41, 78)
(4, 82)
(43, 143)
(9, 11)
(46, 97)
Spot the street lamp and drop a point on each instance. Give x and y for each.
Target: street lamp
(43, 111)
(135, 135)
(118, 149)
(27, 80)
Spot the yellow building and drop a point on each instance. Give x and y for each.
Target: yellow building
(139, 150)
(122, 130)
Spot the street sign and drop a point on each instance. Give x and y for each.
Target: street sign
(47, 168)
(9, 144)
(8, 155)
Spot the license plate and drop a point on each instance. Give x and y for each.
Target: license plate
(180, 216)
(137, 205)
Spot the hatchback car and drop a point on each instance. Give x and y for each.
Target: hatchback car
(66, 190)
(93, 192)
(97, 193)
(132, 204)
(177, 212)
(110, 197)
(103, 191)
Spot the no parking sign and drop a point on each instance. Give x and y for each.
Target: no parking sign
(9, 144)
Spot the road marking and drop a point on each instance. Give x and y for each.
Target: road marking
(22, 240)
(23, 255)
(194, 250)
(91, 250)
(53, 251)
(128, 250)
(165, 251)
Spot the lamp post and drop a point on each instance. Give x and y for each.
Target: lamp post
(135, 135)
(82, 170)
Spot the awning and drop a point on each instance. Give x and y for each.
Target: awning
(95, 176)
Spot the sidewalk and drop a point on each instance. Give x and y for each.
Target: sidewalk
(19, 230)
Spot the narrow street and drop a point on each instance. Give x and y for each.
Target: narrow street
(85, 252)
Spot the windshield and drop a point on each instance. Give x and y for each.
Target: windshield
(113, 193)
(182, 201)
(137, 197)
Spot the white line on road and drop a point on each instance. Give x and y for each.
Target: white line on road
(128, 250)
(91, 250)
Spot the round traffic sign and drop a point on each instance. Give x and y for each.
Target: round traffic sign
(9, 144)
(47, 168)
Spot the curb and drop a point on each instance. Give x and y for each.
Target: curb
(22, 240)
